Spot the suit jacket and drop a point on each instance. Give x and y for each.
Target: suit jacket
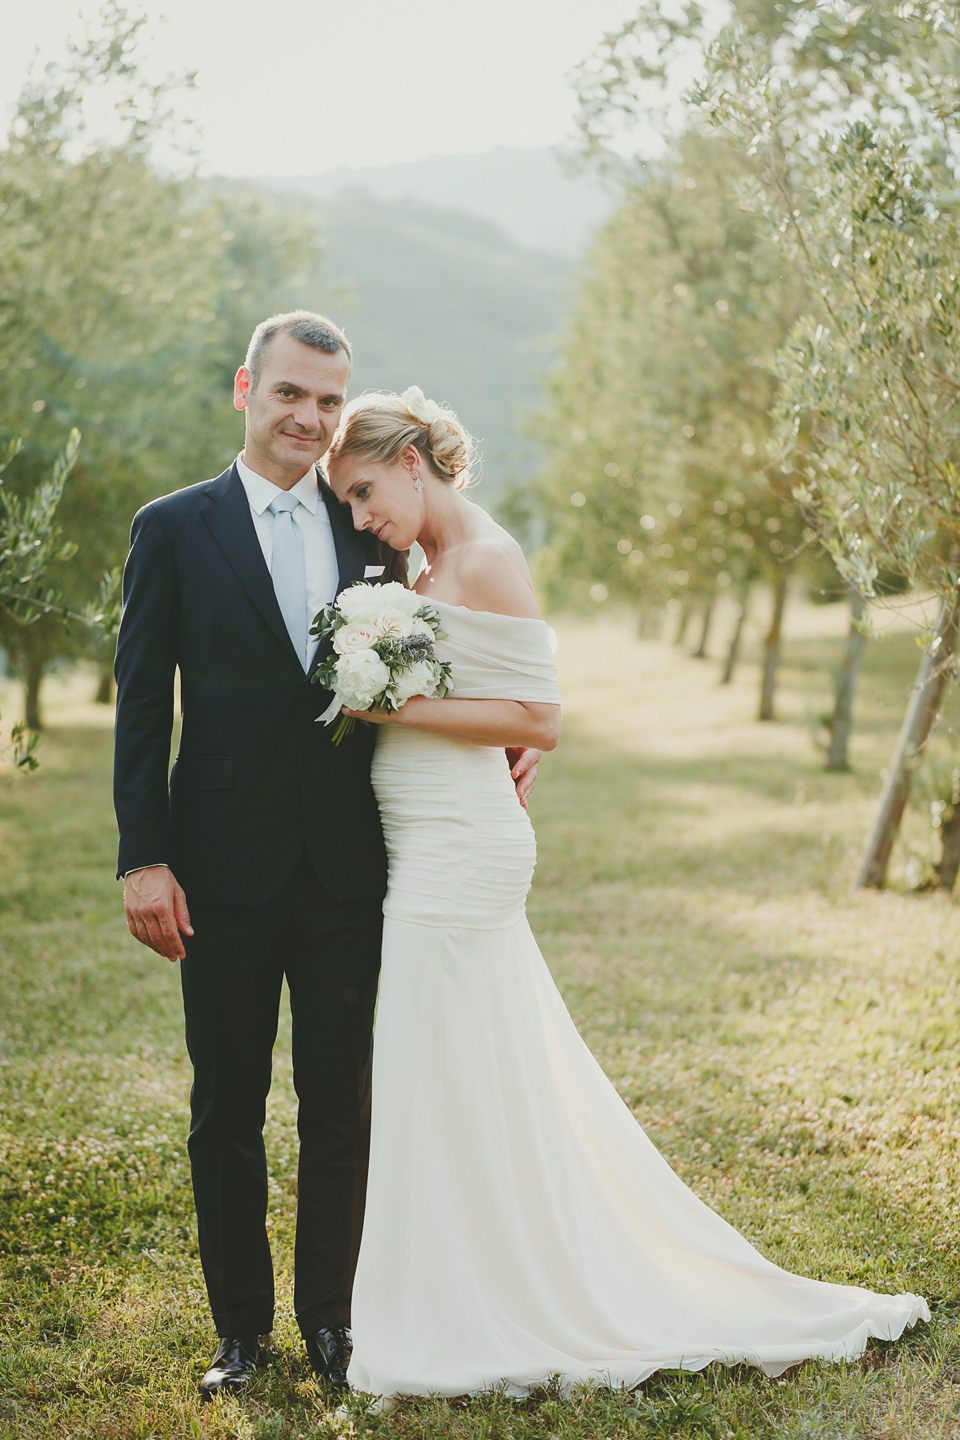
(256, 779)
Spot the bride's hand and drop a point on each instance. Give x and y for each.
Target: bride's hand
(404, 716)
(372, 717)
(524, 762)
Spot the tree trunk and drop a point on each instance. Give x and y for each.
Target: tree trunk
(734, 650)
(104, 695)
(683, 623)
(650, 624)
(771, 651)
(33, 679)
(914, 733)
(701, 651)
(847, 676)
(949, 863)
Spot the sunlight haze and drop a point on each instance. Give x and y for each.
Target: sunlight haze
(313, 85)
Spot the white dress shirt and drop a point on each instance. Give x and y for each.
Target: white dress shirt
(319, 551)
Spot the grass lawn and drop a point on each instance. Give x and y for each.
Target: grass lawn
(790, 1045)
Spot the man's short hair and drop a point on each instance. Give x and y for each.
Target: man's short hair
(303, 325)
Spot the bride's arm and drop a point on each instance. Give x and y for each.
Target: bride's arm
(492, 580)
(506, 723)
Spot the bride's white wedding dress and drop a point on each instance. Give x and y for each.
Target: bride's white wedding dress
(519, 1223)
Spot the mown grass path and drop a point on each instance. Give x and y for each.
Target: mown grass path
(790, 1046)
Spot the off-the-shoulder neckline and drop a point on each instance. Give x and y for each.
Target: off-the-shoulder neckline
(493, 614)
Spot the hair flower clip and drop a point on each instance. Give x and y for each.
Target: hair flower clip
(419, 406)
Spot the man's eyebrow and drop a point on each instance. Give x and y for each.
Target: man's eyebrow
(335, 397)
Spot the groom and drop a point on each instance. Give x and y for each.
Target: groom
(263, 858)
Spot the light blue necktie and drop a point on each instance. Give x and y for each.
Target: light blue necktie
(289, 571)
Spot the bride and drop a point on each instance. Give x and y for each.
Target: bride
(519, 1223)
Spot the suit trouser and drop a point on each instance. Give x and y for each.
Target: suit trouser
(329, 951)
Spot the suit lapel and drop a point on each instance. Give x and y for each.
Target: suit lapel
(228, 516)
(351, 545)
(352, 548)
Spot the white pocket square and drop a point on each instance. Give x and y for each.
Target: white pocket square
(371, 571)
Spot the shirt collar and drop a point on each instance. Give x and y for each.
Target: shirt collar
(260, 492)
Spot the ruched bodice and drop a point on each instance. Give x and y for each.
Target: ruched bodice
(461, 849)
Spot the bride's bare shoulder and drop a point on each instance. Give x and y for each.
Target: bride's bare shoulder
(492, 575)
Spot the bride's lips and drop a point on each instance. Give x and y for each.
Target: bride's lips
(379, 533)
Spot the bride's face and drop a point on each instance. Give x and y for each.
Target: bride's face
(382, 497)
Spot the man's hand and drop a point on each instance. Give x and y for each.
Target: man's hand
(156, 910)
(524, 764)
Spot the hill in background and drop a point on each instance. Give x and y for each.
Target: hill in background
(526, 193)
(452, 273)
(442, 300)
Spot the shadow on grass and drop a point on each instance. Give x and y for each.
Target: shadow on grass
(758, 822)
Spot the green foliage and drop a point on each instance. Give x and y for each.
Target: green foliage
(856, 398)
(127, 297)
(657, 427)
(868, 418)
(781, 70)
(851, 175)
(31, 542)
(866, 415)
(95, 270)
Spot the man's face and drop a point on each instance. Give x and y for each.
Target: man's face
(294, 410)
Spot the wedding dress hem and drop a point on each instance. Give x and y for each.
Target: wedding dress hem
(627, 1375)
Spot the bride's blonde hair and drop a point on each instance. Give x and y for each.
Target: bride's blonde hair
(379, 424)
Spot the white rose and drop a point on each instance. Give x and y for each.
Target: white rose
(360, 602)
(418, 679)
(393, 623)
(361, 676)
(355, 635)
(420, 627)
(395, 596)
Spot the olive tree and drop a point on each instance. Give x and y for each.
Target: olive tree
(772, 80)
(656, 433)
(31, 542)
(126, 296)
(868, 415)
(866, 418)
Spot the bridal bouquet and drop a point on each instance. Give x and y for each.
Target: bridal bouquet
(382, 637)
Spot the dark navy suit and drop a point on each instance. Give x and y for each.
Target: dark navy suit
(274, 834)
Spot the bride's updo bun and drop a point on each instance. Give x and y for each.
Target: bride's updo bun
(379, 424)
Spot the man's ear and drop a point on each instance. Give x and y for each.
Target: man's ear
(241, 388)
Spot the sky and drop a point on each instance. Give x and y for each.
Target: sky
(303, 86)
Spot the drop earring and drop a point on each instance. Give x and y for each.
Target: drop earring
(417, 482)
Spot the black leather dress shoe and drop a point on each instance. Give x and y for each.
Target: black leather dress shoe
(233, 1364)
(329, 1352)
